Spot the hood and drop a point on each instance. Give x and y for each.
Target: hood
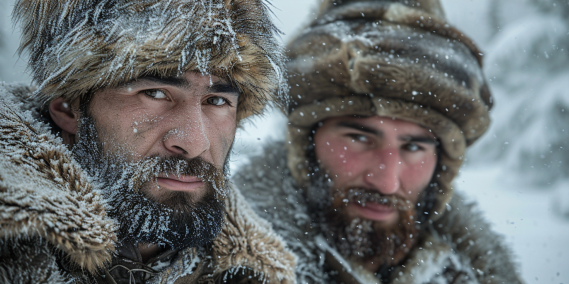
(77, 47)
(398, 59)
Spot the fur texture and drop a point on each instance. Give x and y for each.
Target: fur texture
(390, 58)
(50, 212)
(460, 246)
(80, 46)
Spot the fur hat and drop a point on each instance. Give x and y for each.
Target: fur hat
(399, 59)
(79, 46)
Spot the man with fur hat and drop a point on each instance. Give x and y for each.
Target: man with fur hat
(386, 96)
(113, 170)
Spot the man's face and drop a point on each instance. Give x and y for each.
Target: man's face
(159, 146)
(378, 167)
(189, 116)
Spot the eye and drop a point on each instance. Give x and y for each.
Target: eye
(358, 138)
(216, 101)
(156, 94)
(412, 147)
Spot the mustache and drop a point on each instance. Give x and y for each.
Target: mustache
(141, 172)
(362, 196)
(176, 166)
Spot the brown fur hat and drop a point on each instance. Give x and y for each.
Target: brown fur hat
(399, 59)
(79, 46)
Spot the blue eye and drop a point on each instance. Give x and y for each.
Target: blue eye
(216, 101)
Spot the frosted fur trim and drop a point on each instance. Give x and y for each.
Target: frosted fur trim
(80, 46)
(47, 202)
(44, 194)
(460, 243)
(248, 241)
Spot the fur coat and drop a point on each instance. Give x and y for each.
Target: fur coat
(459, 247)
(53, 217)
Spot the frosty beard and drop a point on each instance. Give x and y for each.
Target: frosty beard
(173, 219)
(362, 240)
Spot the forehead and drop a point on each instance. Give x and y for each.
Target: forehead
(381, 124)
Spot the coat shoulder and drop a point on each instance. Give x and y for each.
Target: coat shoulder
(268, 185)
(471, 235)
(460, 247)
(44, 194)
(248, 244)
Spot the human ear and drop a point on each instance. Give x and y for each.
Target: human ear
(64, 116)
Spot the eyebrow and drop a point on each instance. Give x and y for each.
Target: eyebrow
(171, 81)
(223, 87)
(359, 127)
(420, 139)
(178, 82)
(407, 138)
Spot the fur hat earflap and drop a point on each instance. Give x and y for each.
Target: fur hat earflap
(398, 59)
(77, 47)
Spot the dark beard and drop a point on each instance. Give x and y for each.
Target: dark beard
(365, 240)
(173, 219)
(362, 240)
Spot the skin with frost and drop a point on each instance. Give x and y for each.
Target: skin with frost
(187, 117)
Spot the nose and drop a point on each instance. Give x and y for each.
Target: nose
(188, 134)
(383, 172)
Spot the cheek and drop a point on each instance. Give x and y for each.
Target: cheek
(221, 134)
(338, 159)
(124, 127)
(418, 175)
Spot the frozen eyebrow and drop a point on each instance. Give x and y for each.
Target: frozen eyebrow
(359, 127)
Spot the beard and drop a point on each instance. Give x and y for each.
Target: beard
(174, 219)
(358, 239)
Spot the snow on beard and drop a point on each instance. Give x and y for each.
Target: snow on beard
(173, 219)
(363, 240)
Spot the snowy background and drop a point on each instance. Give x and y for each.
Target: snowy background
(519, 171)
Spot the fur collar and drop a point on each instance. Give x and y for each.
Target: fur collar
(459, 245)
(44, 194)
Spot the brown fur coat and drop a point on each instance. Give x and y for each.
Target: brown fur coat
(459, 247)
(51, 213)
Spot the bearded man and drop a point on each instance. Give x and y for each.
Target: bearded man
(386, 96)
(114, 169)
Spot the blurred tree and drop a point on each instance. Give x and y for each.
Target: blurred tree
(12, 67)
(528, 65)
